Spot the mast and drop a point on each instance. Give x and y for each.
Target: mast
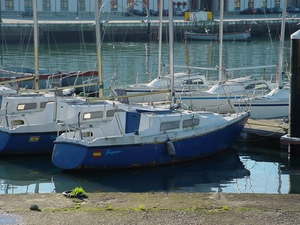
(221, 41)
(281, 45)
(98, 44)
(161, 2)
(36, 43)
(171, 52)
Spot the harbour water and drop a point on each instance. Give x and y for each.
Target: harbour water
(245, 168)
(128, 62)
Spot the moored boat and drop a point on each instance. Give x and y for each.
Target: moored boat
(148, 136)
(270, 106)
(157, 89)
(231, 36)
(48, 79)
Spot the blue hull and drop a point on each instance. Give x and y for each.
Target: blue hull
(26, 143)
(67, 156)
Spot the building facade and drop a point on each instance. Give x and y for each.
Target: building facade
(87, 6)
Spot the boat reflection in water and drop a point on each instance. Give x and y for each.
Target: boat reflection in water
(244, 168)
(26, 174)
(272, 170)
(205, 175)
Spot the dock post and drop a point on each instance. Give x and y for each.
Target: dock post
(293, 137)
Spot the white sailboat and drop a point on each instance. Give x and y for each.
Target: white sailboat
(275, 104)
(148, 136)
(194, 91)
(157, 89)
(219, 97)
(29, 123)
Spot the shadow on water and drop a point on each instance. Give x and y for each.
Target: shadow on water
(229, 171)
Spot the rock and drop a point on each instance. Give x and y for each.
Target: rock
(34, 207)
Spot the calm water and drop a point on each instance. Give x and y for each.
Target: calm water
(245, 168)
(126, 60)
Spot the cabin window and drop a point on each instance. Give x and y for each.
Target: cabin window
(169, 125)
(111, 113)
(26, 106)
(190, 123)
(87, 134)
(261, 86)
(17, 122)
(43, 105)
(250, 86)
(92, 115)
(193, 81)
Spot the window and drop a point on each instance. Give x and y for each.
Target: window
(43, 105)
(250, 3)
(28, 5)
(193, 81)
(46, 5)
(92, 115)
(130, 4)
(9, 5)
(261, 86)
(146, 4)
(114, 5)
(26, 106)
(81, 5)
(111, 112)
(87, 134)
(64, 5)
(190, 123)
(169, 125)
(237, 5)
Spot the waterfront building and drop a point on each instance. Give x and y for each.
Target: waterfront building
(81, 7)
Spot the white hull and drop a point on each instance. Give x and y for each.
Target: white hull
(271, 106)
(220, 97)
(270, 110)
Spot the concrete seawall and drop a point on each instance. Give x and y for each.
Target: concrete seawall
(57, 30)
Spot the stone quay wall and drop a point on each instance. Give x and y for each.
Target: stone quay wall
(134, 30)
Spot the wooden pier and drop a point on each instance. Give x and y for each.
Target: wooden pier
(263, 129)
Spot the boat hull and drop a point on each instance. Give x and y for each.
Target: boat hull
(265, 110)
(27, 142)
(67, 156)
(46, 80)
(236, 36)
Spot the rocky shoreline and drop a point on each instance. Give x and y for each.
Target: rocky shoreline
(150, 208)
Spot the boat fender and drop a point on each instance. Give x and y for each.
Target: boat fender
(170, 148)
